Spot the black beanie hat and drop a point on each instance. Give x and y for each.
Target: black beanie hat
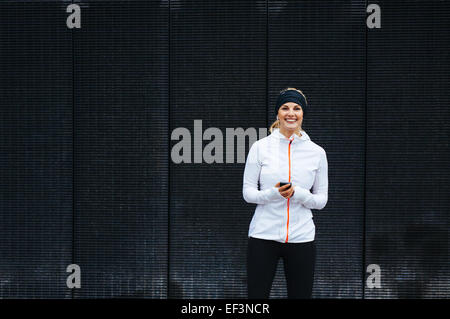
(291, 96)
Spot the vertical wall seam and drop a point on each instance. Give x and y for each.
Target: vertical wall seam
(73, 153)
(168, 160)
(365, 168)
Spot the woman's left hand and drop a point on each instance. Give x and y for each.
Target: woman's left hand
(289, 192)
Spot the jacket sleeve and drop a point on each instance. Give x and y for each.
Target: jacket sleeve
(319, 196)
(252, 171)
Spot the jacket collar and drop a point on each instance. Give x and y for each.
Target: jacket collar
(294, 137)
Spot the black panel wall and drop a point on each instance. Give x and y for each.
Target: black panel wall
(90, 121)
(319, 47)
(407, 161)
(35, 151)
(217, 75)
(121, 146)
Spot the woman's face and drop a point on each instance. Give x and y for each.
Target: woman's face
(290, 115)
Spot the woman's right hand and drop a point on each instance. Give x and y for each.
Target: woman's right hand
(285, 190)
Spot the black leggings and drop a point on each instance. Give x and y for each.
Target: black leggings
(262, 261)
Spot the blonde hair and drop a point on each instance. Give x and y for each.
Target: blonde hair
(276, 124)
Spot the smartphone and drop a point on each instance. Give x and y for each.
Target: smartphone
(282, 184)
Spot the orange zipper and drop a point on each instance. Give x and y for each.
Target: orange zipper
(287, 225)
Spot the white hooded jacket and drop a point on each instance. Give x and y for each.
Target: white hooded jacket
(276, 158)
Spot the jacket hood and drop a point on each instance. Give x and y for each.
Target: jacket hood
(296, 139)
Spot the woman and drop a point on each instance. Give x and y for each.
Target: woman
(282, 225)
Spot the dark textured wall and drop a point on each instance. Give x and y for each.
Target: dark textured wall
(86, 117)
(407, 150)
(36, 151)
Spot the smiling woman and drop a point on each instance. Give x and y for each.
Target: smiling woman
(282, 225)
